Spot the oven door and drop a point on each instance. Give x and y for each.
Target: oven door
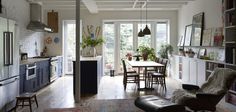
(30, 71)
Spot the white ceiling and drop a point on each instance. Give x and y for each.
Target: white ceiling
(94, 6)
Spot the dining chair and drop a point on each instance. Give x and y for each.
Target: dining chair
(158, 77)
(129, 76)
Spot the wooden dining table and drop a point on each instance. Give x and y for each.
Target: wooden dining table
(145, 65)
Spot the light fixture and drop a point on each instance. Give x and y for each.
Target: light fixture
(140, 33)
(146, 30)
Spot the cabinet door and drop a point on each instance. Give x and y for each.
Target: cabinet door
(201, 72)
(22, 78)
(185, 70)
(193, 71)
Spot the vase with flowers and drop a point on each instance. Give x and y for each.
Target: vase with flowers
(129, 56)
(90, 40)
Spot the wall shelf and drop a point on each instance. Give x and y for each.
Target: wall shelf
(230, 10)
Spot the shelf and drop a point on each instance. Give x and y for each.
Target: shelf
(206, 46)
(230, 27)
(229, 10)
(230, 42)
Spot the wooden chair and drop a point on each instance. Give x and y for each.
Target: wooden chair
(129, 76)
(159, 75)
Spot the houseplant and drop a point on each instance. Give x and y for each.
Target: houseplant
(165, 50)
(90, 40)
(147, 53)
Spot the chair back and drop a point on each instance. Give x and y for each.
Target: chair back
(160, 60)
(163, 69)
(124, 67)
(219, 82)
(157, 59)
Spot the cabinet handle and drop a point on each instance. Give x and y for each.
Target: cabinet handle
(3, 84)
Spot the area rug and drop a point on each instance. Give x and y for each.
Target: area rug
(116, 105)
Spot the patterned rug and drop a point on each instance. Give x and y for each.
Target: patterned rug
(116, 105)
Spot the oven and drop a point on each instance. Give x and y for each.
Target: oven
(54, 69)
(30, 71)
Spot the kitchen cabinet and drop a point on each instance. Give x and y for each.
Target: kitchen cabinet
(91, 73)
(38, 82)
(59, 66)
(190, 70)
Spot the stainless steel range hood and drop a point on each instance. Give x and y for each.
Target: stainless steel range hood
(36, 19)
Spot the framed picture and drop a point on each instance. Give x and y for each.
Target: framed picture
(207, 36)
(188, 35)
(198, 23)
(201, 52)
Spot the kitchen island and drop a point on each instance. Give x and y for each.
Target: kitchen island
(91, 73)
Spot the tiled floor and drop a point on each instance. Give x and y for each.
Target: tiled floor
(60, 93)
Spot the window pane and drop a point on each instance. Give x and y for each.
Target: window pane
(126, 40)
(161, 35)
(146, 40)
(109, 36)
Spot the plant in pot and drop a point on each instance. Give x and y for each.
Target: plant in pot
(165, 50)
(147, 53)
(90, 40)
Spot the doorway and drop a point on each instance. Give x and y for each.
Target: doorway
(69, 42)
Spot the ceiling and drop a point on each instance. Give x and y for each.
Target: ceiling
(94, 6)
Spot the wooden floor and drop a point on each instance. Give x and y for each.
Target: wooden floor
(59, 94)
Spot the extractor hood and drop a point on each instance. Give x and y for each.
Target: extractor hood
(36, 19)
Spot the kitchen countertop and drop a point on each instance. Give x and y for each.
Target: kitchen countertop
(32, 60)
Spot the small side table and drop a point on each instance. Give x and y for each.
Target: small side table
(26, 97)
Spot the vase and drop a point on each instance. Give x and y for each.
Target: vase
(89, 51)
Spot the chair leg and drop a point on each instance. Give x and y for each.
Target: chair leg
(36, 101)
(30, 105)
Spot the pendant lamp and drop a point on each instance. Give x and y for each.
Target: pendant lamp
(146, 30)
(140, 33)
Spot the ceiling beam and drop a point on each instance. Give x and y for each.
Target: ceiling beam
(91, 5)
(135, 3)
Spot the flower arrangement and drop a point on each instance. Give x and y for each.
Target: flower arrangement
(129, 56)
(91, 38)
(147, 53)
(190, 53)
(165, 50)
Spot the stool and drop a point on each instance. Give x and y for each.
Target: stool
(151, 103)
(26, 97)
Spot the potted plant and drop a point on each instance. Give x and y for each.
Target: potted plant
(90, 41)
(147, 53)
(165, 50)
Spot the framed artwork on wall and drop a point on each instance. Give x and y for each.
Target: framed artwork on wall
(188, 35)
(198, 23)
(207, 37)
(201, 53)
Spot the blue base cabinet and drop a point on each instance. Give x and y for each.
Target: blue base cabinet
(38, 82)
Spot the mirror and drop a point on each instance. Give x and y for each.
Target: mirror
(197, 33)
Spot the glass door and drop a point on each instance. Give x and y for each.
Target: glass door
(126, 41)
(109, 47)
(69, 45)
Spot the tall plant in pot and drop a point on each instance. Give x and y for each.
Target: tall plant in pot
(165, 50)
(147, 53)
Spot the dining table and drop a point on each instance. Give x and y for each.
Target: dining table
(145, 65)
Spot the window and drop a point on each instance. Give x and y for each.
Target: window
(161, 34)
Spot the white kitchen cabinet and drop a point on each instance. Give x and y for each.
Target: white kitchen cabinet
(190, 70)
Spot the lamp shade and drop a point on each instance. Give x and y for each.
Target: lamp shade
(140, 33)
(146, 31)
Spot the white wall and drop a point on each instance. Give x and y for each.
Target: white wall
(211, 8)
(56, 48)
(97, 19)
(19, 11)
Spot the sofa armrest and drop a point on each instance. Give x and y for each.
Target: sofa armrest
(190, 87)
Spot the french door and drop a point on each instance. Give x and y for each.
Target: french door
(121, 38)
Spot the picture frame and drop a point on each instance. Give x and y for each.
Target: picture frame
(201, 52)
(188, 35)
(181, 41)
(197, 33)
